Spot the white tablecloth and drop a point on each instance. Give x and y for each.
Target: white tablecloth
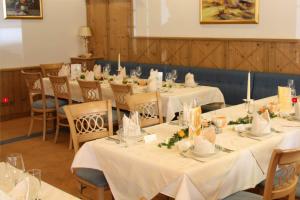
(171, 100)
(146, 170)
(47, 192)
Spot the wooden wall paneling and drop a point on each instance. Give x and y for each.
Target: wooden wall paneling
(97, 20)
(119, 23)
(207, 53)
(285, 57)
(175, 52)
(145, 50)
(247, 55)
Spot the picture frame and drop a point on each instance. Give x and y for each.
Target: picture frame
(23, 9)
(229, 11)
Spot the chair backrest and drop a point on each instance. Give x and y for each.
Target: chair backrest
(87, 121)
(51, 69)
(148, 105)
(286, 179)
(120, 92)
(91, 90)
(35, 86)
(61, 88)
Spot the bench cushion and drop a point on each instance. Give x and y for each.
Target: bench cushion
(93, 176)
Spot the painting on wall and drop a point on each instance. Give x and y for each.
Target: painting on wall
(23, 9)
(229, 11)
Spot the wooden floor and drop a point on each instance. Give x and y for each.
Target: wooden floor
(53, 159)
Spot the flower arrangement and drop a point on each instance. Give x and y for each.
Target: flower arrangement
(181, 134)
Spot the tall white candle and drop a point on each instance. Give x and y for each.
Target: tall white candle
(249, 87)
(119, 62)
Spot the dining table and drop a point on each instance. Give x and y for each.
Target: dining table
(46, 192)
(146, 169)
(172, 98)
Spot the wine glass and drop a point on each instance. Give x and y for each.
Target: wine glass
(84, 67)
(174, 75)
(168, 77)
(138, 71)
(15, 160)
(35, 184)
(133, 74)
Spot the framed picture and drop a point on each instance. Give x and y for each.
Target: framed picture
(229, 11)
(23, 9)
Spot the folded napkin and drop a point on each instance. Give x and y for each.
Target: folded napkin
(285, 99)
(205, 143)
(131, 125)
(21, 190)
(155, 74)
(189, 80)
(122, 72)
(297, 110)
(64, 71)
(195, 121)
(89, 76)
(97, 71)
(118, 79)
(261, 124)
(75, 71)
(152, 84)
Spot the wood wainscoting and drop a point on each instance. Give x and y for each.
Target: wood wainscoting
(12, 86)
(111, 23)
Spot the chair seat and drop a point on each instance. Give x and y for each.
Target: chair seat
(244, 196)
(50, 103)
(92, 176)
(298, 189)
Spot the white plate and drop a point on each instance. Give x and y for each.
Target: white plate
(203, 155)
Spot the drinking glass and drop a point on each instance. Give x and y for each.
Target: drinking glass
(138, 71)
(34, 176)
(168, 77)
(174, 75)
(107, 69)
(84, 67)
(133, 73)
(291, 84)
(16, 161)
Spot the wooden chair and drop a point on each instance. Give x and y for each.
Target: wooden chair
(120, 92)
(42, 108)
(91, 90)
(148, 105)
(87, 123)
(51, 69)
(61, 91)
(278, 184)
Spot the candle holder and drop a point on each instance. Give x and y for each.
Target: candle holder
(249, 104)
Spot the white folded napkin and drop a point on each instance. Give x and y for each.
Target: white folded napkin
(122, 71)
(89, 76)
(189, 80)
(21, 190)
(64, 71)
(297, 110)
(118, 79)
(75, 71)
(97, 71)
(131, 126)
(261, 124)
(155, 74)
(152, 84)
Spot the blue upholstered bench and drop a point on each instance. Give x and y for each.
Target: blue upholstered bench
(232, 83)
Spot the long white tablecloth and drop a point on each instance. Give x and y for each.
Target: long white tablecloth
(146, 170)
(171, 100)
(47, 191)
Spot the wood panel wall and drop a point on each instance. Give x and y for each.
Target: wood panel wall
(111, 22)
(12, 85)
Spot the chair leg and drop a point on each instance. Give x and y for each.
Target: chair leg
(31, 123)
(292, 196)
(57, 129)
(44, 125)
(100, 193)
(70, 143)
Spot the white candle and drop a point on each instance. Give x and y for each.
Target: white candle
(119, 62)
(249, 87)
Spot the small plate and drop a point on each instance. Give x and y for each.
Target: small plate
(203, 155)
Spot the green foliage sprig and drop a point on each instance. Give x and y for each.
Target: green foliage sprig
(184, 133)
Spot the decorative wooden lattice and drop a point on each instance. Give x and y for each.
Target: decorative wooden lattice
(147, 110)
(89, 123)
